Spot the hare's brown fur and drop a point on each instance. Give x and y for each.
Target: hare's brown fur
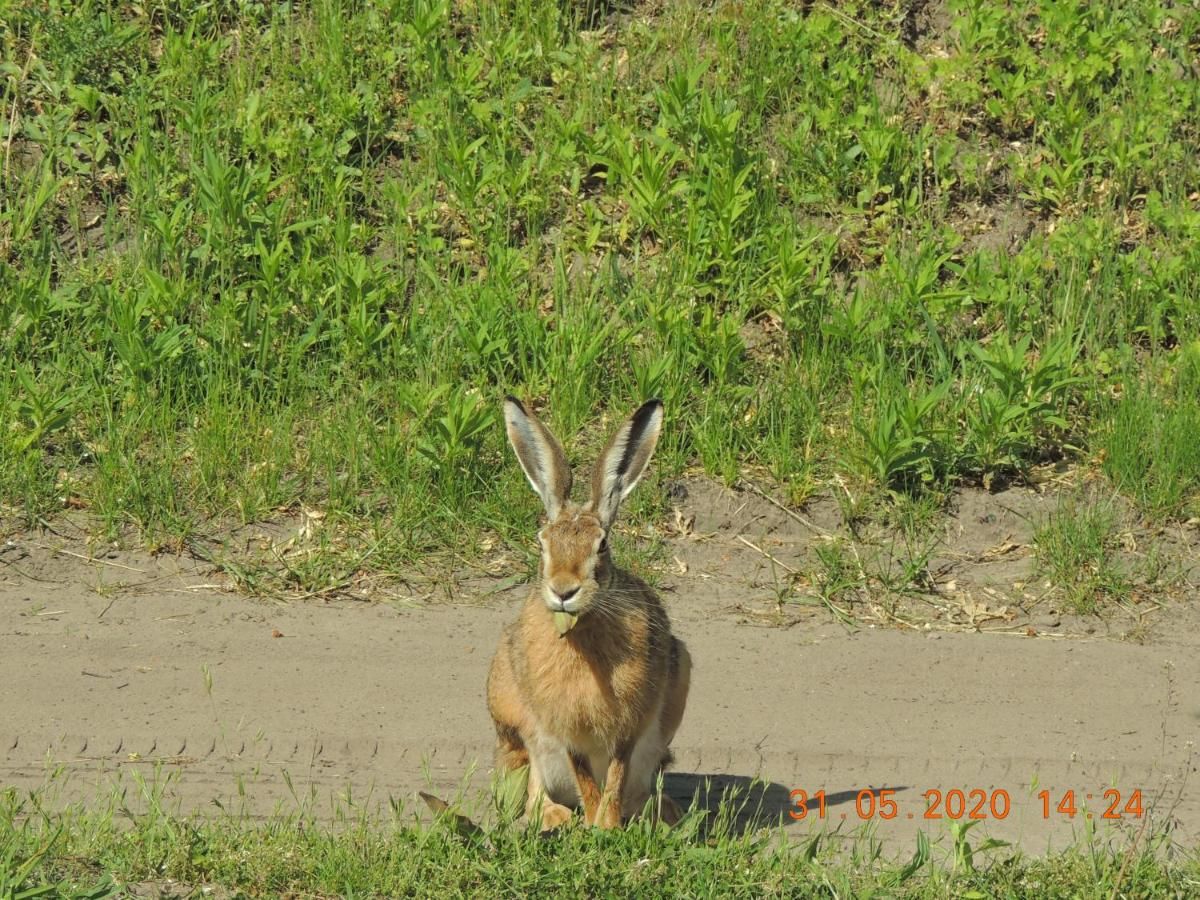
(592, 712)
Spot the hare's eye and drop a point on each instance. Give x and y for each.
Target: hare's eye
(603, 545)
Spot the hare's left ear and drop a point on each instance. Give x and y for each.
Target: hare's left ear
(623, 461)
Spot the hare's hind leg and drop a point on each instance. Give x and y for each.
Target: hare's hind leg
(672, 715)
(679, 680)
(508, 712)
(513, 748)
(650, 757)
(652, 753)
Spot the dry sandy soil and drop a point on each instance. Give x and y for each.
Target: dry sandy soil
(976, 685)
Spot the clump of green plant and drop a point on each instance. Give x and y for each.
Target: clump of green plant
(1150, 438)
(903, 446)
(1015, 405)
(838, 576)
(1075, 551)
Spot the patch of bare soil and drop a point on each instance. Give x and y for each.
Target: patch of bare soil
(114, 662)
(927, 24)
(89, 233)
(999, 228)
(744, 556)
(175, 890)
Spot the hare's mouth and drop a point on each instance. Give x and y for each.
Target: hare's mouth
(569, 601)
(565, 606)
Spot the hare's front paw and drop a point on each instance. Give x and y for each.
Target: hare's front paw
(554, 815)
(609, 813)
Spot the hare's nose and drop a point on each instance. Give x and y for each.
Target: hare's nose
(565, 595)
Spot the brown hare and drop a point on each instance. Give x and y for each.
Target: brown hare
(588, 686)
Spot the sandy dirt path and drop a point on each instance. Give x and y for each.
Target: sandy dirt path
(382, 701)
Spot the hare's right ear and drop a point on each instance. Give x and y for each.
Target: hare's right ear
(623, 461)
(540, 455)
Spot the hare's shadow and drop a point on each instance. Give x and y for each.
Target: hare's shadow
(748, 804)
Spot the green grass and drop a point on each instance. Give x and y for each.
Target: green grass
(1076, 549)
(1152, 441)
(259, 257)
(96, 853)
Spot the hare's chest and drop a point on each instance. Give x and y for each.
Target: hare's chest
(583, 701)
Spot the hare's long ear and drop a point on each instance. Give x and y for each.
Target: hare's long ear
(624, 460)
(540, 455)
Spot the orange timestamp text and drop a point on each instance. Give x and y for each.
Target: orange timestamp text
(966, 804)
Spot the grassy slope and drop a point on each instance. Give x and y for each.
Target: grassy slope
(264, 255)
